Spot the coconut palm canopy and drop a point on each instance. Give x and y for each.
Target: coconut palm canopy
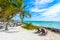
(9, 8)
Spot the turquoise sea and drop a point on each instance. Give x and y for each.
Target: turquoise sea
(53, 24)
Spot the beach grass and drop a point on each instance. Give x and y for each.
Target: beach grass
(29, 26)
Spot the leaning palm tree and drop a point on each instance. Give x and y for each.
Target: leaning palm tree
(8, 19)
(21, 7)
(12, 7)
(9, 14)
(8, 10)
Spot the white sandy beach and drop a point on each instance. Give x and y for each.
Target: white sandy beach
(18, 33)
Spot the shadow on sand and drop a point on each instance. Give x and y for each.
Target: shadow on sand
(12, 31)
(7, 31)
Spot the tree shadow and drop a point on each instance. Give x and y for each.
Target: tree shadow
(12, 31)
(3, 30)
(36, 32)
(7, 31)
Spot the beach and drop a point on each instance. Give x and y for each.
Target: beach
(18, 33)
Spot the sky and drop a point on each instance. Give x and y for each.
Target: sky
(42, 10)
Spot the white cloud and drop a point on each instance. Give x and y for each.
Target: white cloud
(38, 18)
(38, 4)
(52, 11)
(50, 19)
(37, 10)
(43, 1)
(50, 14)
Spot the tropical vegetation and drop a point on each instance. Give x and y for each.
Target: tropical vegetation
(9, 9)
(29, 26)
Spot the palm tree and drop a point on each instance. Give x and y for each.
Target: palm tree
(11, 8)
(8, 19)
(8, 12)
(24, 14)
(21, 7)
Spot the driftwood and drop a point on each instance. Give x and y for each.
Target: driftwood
(42, 31)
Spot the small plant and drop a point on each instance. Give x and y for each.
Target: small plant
(29, 26)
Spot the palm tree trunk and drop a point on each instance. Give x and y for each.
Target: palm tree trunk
(21, 20)
(6, 28)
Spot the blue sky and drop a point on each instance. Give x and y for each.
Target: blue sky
(42, 10)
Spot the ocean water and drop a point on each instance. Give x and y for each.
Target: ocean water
(53, 24)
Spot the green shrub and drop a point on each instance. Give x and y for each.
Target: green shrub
(29, 26)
